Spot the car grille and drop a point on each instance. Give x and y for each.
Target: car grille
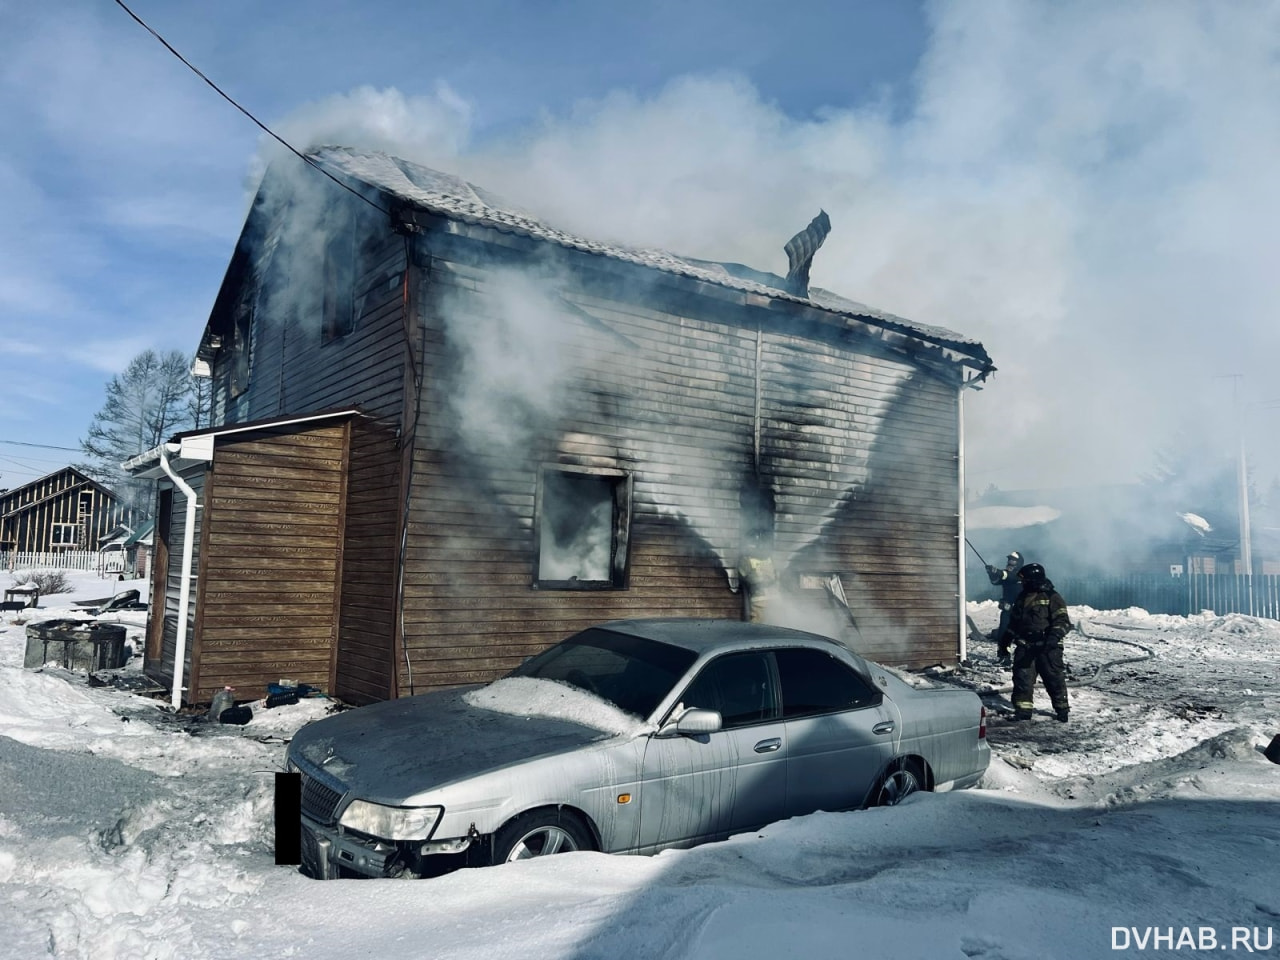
(312, 863)
(319, 802)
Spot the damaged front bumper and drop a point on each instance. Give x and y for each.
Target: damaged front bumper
(325, 851)
(329, 853)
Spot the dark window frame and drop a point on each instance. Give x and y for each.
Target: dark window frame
(241, 347)
(622, 484)
(338, 279)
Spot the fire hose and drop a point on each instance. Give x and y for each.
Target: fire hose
(1079, 627)
(1147, 654)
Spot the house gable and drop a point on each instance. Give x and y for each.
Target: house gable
(62, 510)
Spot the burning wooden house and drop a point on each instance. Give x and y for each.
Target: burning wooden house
(451, 434)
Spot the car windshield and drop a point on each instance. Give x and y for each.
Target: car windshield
(630, 672)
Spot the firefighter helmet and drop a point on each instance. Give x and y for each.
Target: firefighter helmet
(1032, 573)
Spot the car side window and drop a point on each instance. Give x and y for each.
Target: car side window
(815, 682)
(738, 686)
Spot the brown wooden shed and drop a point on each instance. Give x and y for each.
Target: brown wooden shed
(453, 434)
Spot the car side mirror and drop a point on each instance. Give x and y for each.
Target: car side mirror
(694, 722)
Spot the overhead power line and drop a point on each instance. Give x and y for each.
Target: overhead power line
(42, 446)
(267, 130)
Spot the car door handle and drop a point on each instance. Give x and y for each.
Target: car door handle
(884, 726)
(768, 746)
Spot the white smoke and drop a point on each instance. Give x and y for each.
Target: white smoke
(511, 338)
(1084, 187)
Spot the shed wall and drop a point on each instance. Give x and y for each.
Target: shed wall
(271, 560)
(160, 665)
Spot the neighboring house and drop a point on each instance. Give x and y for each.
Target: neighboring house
(450, 435)
(112, 558)
(137, 550)
(126, 553)
(64, 510)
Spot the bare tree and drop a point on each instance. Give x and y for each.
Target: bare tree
(152, 399)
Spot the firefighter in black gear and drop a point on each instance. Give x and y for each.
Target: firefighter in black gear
(1037, 623)
(1010, 587)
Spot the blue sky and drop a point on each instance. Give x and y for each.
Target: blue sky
(1086, 188)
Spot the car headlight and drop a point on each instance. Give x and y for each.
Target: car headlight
(391, 823)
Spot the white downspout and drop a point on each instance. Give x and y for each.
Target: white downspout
(184, 590)
(964, 625)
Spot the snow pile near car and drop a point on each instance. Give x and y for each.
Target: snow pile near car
(535, 697)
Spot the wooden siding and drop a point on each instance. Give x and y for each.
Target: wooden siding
(161, 668)
(293, 369)
(364, 661)
(893, 540)
(28, 514)
(271, 559)
(669, 398)
(703, 397)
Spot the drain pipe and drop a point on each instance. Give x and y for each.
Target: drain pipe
(184, 590)
(962, 587)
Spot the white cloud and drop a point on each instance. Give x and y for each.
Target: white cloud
(110, 355)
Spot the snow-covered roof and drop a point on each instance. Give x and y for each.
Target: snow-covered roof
(449, 196)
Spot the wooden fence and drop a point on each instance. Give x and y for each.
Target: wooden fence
(1180, 596)
(55, 560)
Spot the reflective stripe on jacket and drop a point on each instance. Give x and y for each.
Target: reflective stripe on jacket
(1040, 613)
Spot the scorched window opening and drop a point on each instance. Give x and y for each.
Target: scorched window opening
(582, 519)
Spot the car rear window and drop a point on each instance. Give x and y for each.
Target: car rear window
(814, 682)
(631, 672)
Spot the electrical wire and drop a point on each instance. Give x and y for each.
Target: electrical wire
(309, 161)
(42, 446)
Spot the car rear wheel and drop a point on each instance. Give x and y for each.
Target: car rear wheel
(900, 781)
(540, 833)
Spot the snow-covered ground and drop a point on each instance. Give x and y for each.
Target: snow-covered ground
(1147, 826)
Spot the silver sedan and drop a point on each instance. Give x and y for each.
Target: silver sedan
(629, 737)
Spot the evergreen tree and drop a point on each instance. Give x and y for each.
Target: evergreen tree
(151, 400)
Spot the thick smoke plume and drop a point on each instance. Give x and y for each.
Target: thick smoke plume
(1085, 188)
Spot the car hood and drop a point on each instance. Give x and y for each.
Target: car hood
(390, 751)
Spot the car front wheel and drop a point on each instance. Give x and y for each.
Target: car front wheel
(902, 779)
(540, 833)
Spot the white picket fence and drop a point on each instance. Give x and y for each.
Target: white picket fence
(52, 560)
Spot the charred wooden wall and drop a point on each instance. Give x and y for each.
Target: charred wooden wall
(662, 384)
(294, 367)
(893, 539)
(29, 513)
